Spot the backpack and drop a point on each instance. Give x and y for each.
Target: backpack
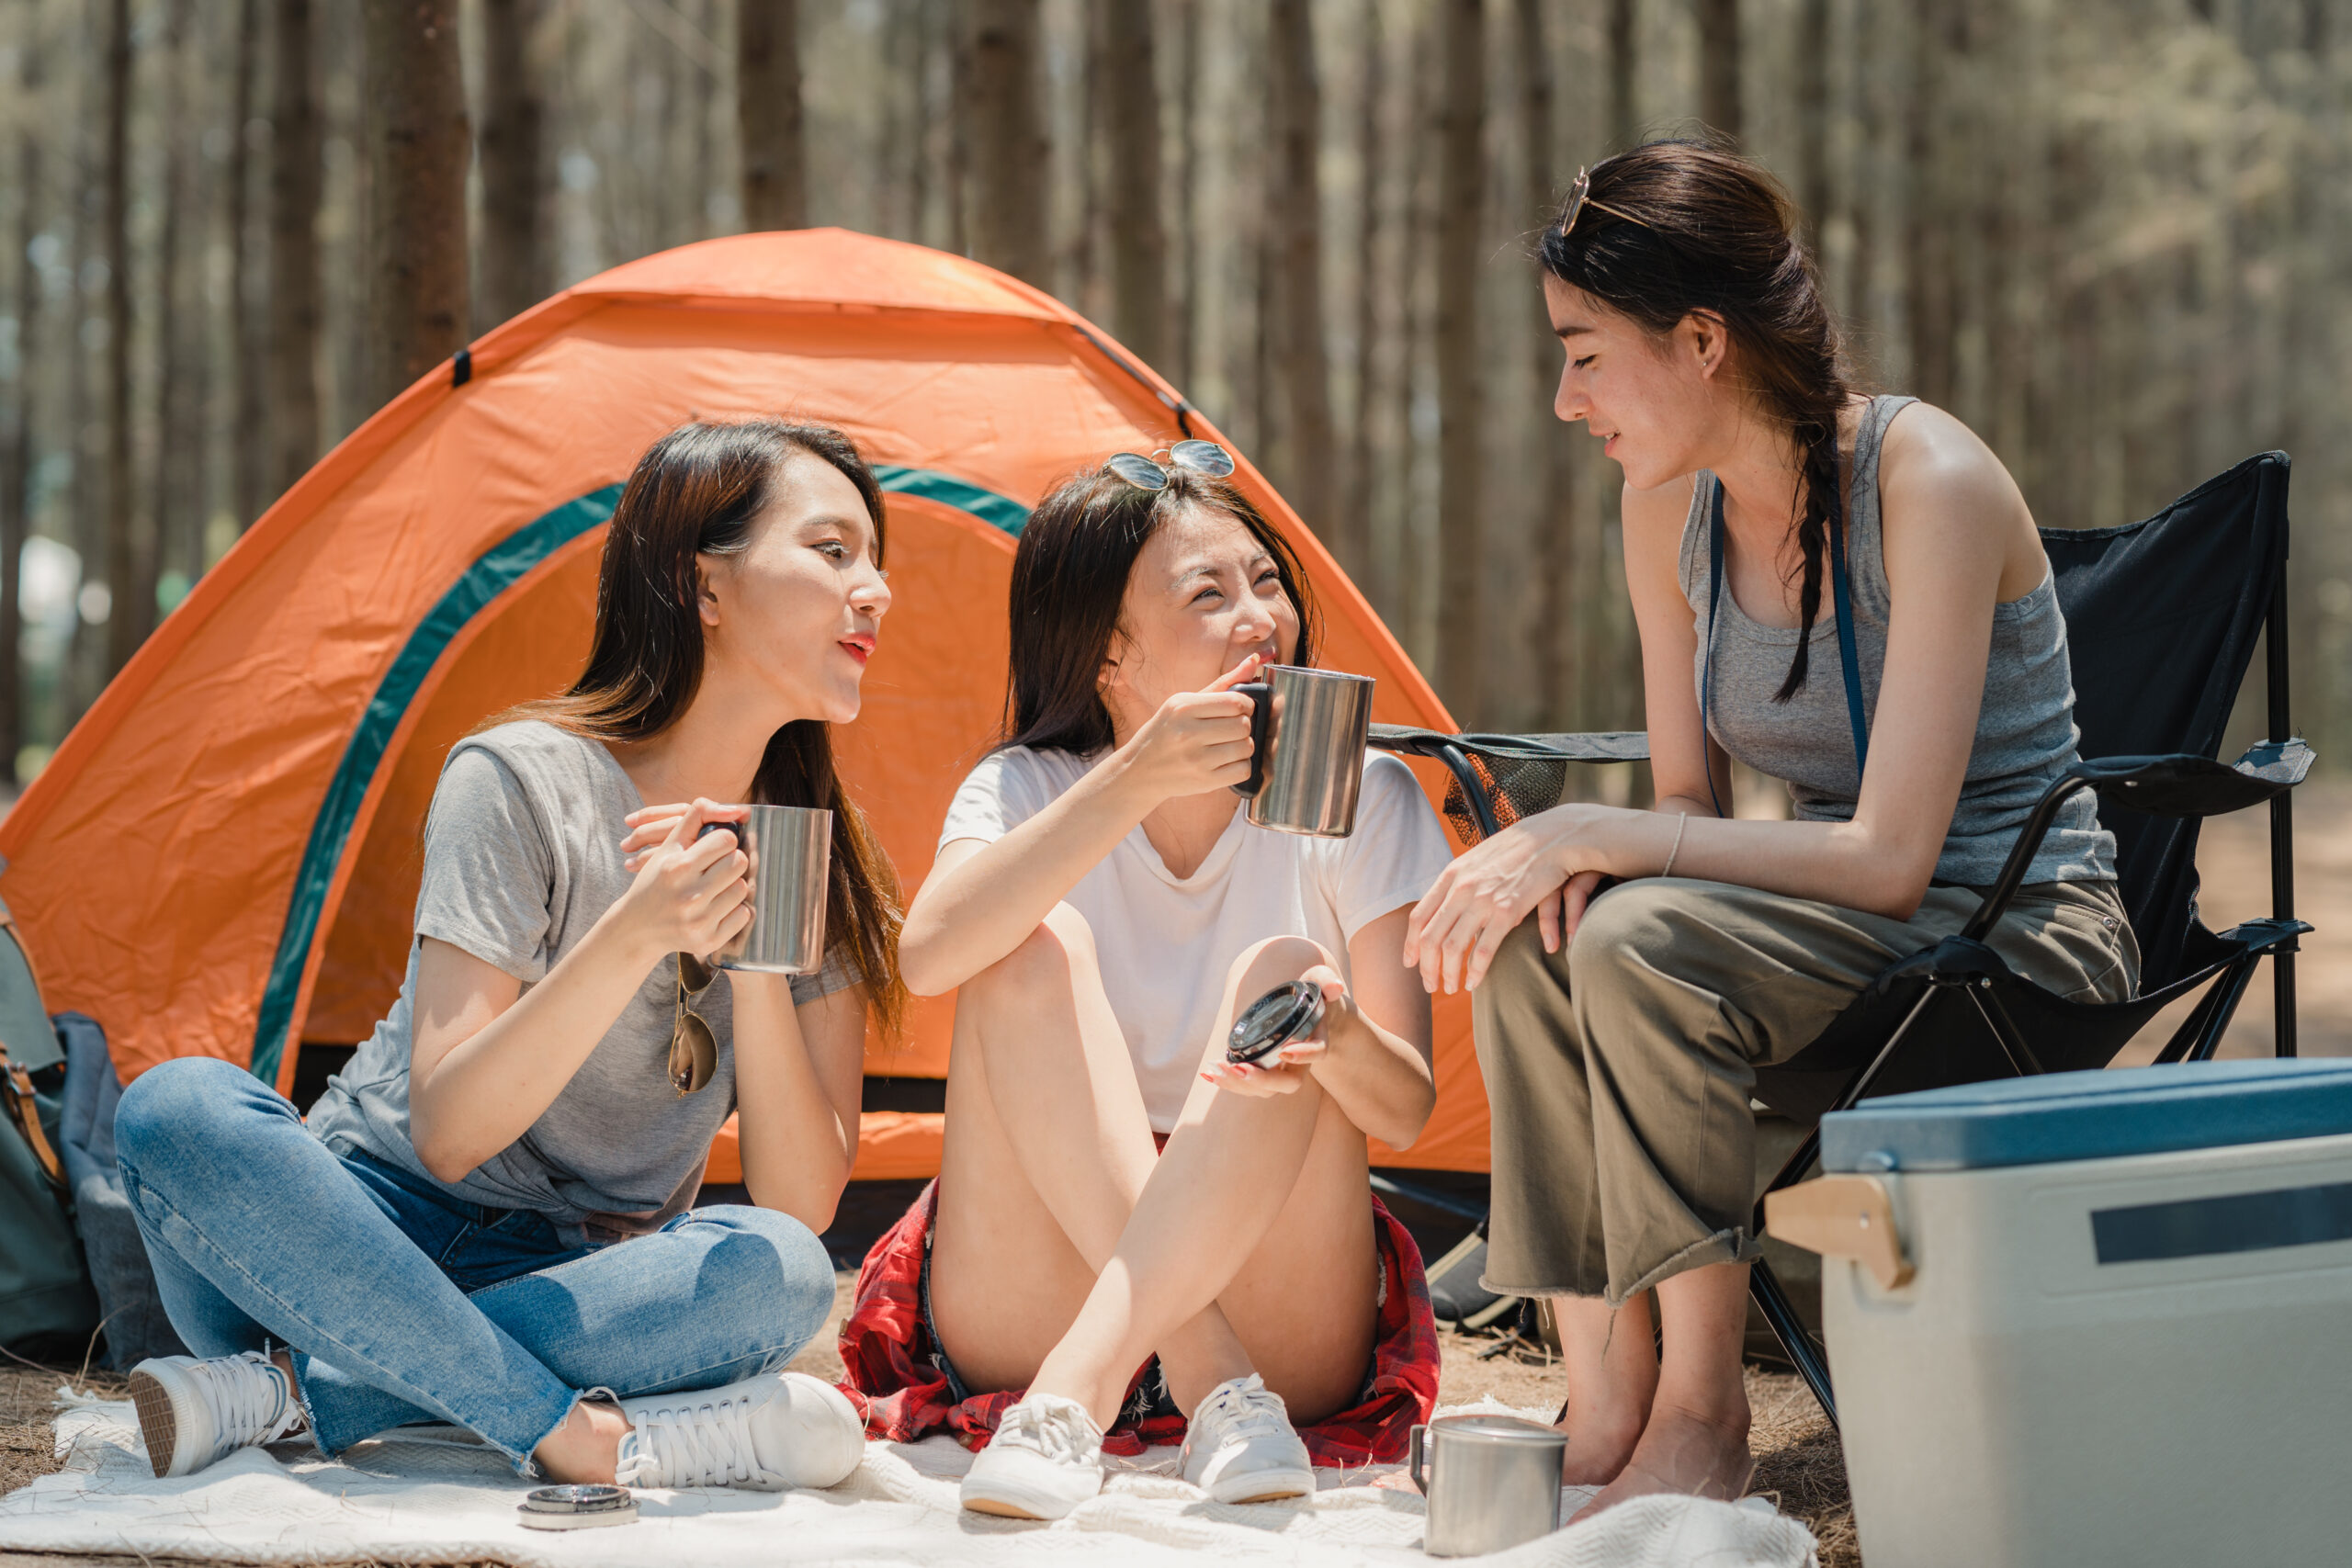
(46, 1300)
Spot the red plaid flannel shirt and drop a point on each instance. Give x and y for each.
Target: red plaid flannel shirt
(886, 1350)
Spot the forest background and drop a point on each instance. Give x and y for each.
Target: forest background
(2109, 234)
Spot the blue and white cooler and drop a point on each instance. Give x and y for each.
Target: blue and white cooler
(2088, 1319)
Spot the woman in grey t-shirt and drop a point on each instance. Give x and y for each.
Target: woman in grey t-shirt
(486, 1221)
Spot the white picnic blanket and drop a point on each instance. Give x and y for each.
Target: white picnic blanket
(416, 1499)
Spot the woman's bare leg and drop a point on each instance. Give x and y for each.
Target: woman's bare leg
(1205, 1230)
(1048, 1150)
(1696, 1441)
(1611, 1358)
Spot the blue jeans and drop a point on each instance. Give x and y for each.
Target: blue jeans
(401, 1303)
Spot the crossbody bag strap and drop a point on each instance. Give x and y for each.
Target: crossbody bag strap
(1849, 663)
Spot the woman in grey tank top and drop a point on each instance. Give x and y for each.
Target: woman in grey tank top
(1769, 512)
(488, 1220)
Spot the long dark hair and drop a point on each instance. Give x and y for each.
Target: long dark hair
(1707, 230)
(695, 493)
(1069, 581)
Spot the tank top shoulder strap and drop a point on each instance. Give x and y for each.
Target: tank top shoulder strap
(1865, 553)
(1694, 541)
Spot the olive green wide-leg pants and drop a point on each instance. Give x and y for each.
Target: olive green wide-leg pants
(1620, 1070)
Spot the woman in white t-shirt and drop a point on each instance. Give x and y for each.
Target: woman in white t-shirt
(1106, 908)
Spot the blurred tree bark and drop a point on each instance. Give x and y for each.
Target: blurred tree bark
(1126, 81)
(17, 437)
(421, 145)
(1719, 66)
(1812, 117)
(1462, 631)
(1931, 298)
(1624, 64)
(1295, 223)
(249, 423)
(515, 273)
(125, 625)
(1010, 152)
(1553, 545)
(1185, 326)
(178, 490)
(768, 113)
(296, 186)
(1350, 535)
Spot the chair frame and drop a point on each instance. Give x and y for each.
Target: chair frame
(2184, 784)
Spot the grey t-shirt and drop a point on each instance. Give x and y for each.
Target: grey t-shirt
(522, 856)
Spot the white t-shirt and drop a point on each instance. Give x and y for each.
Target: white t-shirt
(1166, 942)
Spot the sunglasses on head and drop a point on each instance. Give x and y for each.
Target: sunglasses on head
(1580, 197)
(1205, 458)
(694, 1049)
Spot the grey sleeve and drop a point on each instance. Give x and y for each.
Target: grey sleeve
(489, 870)
(837, 975)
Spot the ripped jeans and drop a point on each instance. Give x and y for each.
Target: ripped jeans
(401, 1303)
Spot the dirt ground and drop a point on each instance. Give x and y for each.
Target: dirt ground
(1798, 1457)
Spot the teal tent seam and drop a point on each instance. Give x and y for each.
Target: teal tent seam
(499, 569)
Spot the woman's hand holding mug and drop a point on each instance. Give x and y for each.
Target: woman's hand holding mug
(1198, 741)
(690, 894)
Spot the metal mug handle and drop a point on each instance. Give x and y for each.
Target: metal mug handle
(1416, 1446)
(1262, 714)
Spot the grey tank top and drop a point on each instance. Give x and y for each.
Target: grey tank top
(2025, 730)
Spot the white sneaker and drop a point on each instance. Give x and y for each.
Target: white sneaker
(769, 1433)
(1241, 1448)
(1047, 1458)
(195, 1411)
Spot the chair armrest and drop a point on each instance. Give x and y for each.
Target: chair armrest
(1599, 746)
(2181, 785)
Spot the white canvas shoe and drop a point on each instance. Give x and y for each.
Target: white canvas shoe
(1241, 1448)
(1047, 1458)
(196, 1410)
(769, 1433)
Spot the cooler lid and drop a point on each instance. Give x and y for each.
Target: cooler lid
(2091, 1115)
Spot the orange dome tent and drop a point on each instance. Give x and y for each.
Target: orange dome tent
(222, 857)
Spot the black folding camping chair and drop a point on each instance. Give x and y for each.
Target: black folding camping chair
(2162, 617)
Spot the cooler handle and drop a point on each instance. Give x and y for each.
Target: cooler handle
(1842, 1216)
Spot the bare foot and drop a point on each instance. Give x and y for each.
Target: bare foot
(1683, 1452)
(1602, 1435)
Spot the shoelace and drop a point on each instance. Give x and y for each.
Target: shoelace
(1057, 1431)
(249, 1399)
(1238, 1411)
(699, 1445)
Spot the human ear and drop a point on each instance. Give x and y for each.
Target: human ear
(1710, 343)
(705, 596)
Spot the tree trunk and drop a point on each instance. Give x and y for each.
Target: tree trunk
(1138, 234)
(249, 433)
(514, 271)
(1350, 535)
(125, 625)
(1462, 631)
(1553, 480)
(177, 439)
(1188, 239)
(17, 452)
(1295, 218)
(767, 114)
(1719, 65)
(297, 180)
(421, 144)
(1812, 117)
(1010, 151)
(1624, 63)
(1927, 260)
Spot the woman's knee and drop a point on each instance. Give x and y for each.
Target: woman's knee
(184, 1102)
(1273, 961)
(772, 1272)
(1047, 958)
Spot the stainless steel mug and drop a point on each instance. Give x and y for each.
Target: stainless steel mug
(1309, 728)
(1491, 1481)
(792, 860)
